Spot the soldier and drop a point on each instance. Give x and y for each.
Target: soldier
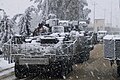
(40, 29)
(45, 29)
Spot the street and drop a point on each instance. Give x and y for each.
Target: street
(97, 68)
(59, 40)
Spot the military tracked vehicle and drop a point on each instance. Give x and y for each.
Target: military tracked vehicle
(52, 54)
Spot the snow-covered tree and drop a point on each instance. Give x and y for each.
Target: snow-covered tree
(9, 27)
(5, 28)
(43, 8)
(25, 21)
(85, 13)
(15, 17)
(15, 20)
(64, 9)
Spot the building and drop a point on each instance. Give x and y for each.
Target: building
(100, 24)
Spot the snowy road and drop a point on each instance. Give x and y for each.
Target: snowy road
(6, 73)
(97, 68)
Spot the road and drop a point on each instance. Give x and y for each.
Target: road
(97, 68)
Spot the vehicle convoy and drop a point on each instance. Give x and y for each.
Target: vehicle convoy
(112, 50)
(52, 54)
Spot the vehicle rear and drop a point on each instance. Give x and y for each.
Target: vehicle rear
(112, 50)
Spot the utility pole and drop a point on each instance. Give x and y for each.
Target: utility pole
(111, 18)
(119, 11)
(111, 14)
(95, 28)
(104, 18)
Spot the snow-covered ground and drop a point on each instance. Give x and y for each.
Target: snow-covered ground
(5, 65)
(6, 69)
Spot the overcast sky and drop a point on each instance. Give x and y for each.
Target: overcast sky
(105, 6)
(13, 7)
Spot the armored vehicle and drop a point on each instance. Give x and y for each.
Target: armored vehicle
(112, 50)
(86, 42)
(52, 54)
(45, 54)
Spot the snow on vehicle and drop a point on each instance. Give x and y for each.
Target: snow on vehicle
(112, 50)
(43, 54)
(85, 42)
(48, 54)
(52, 22)
(87, 45)
(59, 31)
(100, 35)
(82, 25)
(66, 24)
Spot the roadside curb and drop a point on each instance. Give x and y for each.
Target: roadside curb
(6, 69)
(6, 75)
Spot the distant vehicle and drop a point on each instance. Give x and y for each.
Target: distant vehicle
(100, 35)
(75, 23)
(82, 25)
(52, 22)
(66, 24)
(112, 50)
(57, 29)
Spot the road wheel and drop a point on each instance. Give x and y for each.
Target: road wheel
(64, 73)
(64, 70)
(20, 71)
(70, 69)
